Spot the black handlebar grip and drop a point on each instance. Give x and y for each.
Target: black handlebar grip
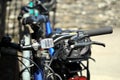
(100, 31)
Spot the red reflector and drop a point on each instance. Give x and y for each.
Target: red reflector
(78, 78)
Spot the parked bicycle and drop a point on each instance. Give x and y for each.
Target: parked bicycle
(51, 54)
(35, 18)
(70, 51)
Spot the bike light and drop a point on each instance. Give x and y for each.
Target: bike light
(78, 78)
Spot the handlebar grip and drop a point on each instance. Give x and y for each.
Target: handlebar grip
(100, 31)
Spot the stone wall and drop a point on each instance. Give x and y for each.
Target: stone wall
(72, 14)
(87, 13)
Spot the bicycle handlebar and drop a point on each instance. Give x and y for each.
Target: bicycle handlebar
(6, 42)
(95, 32)
(20, 48)
(100, 31)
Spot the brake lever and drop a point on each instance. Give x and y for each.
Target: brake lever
(98, 43)
(87, 44)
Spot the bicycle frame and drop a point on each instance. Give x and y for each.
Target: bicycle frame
(26, 75)
(49, 31)
(27, 41)
(38, 74)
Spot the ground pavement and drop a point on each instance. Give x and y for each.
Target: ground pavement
(107, 65)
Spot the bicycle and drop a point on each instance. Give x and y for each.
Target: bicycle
(35, 9)
(59, 66)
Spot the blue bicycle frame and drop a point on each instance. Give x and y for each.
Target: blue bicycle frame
(38, 75)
